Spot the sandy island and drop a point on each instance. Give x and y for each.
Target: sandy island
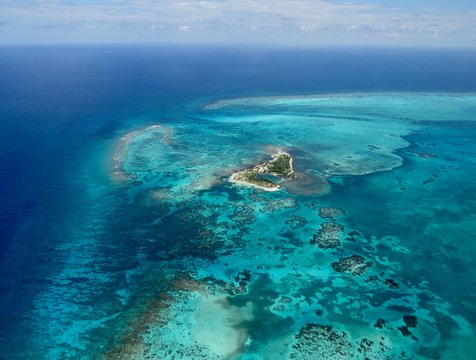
(266, 176)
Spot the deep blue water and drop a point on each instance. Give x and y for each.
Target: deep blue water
(55, 98)
(59, 105)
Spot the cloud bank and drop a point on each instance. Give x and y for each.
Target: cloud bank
(286, 22)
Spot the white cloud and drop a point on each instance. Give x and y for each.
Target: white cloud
(184, 28)
(279, 21)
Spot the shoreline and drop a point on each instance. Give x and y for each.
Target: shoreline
(249, 175)
(232, 180)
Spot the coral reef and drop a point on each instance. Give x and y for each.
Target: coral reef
(355, 265)
(315, 341)
(296, 222)
(328, 235)
(326, 212)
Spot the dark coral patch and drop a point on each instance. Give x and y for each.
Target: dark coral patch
(392, 284)
(321, 341)
(328, 236)
(379, 324)
(410, 321)
(404, 330)
(330, 212)
(355, 265)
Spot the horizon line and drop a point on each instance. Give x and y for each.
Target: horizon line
(237, 45)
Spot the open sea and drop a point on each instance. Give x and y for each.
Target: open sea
(123, 237)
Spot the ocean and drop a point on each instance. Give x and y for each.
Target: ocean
(122, 236)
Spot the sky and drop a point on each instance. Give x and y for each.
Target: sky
(437, 23)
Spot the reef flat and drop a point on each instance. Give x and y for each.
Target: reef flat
(268, 175)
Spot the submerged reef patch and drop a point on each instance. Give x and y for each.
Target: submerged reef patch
(324, 341)
(315, 341)
(392, 284)
(355, 265)
(327, 212)
(296, 222)
(198, 308)
(125, 161)
(328, 235)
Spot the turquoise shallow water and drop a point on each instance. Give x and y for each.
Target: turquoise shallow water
(368, 254)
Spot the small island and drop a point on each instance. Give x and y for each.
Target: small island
(267, 176)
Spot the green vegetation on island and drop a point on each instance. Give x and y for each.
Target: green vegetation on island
(268, 175)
